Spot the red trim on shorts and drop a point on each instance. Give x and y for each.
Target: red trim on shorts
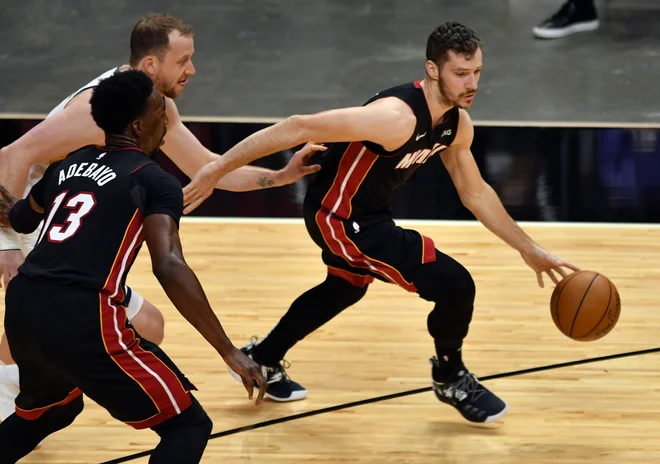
(428, 250)
(34, 414)
(149, 372)
(332, 229)
(357, 280)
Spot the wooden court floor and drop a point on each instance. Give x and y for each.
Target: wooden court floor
(604, 412)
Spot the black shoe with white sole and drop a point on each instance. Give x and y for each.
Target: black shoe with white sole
(280, 387)
(568, 20)
(463, 391)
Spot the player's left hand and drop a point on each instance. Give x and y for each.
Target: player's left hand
(7, 202)
(543, 262)
(201, 187)
(298, 167)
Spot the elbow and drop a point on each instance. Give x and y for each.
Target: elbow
(165, 270)
(23, 228)
(477, 196)
(470, 203)
(298, 126)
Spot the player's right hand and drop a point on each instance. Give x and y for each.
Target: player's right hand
(10, 261)
(542, 261)
(249, 371)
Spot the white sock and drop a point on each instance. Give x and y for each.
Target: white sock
(9, 375)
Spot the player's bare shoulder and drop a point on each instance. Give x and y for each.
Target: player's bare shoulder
(171, 109)
(80, 102)
(397, 120)
(465, 130)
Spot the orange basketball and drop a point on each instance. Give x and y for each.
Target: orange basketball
(585, 306)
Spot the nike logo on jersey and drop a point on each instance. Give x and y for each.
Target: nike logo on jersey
(100, 174)
(419, 136)
(103, 154)
(419, 156)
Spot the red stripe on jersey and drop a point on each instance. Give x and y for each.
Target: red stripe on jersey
(353, 168)
(34, 414)
(125, 255)
(332, 229)
(151, 374)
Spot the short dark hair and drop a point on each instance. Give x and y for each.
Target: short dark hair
(150, 35)
(451, 36)
(120, 99)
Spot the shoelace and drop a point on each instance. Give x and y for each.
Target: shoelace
(281, 369)
(469, 384)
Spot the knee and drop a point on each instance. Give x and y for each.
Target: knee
(343, 289)
(150, 323)
(206, 426)
(447, 285)
(464, 288)
(193, 421)
(66, 414)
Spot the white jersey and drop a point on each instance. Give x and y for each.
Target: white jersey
(10, 240)
(89, 85)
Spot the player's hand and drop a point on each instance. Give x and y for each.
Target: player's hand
(249, 371)
(543, 262)
(201, 187)
(298, 166)
(7, 202)
(10, 261)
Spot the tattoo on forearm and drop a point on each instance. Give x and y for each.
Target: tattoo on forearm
(265, 182)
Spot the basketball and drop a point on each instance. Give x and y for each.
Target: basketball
(585, 306)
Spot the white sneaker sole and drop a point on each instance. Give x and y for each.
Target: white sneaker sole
(560, 33)
(497, 417)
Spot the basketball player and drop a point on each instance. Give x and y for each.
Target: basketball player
(162, 47)
(376, 148)
(64, 315)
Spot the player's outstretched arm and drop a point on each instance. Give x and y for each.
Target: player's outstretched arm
(24, 216)
(480, 198)
(186, 293)
(51, 139)
(188, 153)
(388, 122)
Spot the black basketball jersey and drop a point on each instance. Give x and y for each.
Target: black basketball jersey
(94, 202)
(358, 178)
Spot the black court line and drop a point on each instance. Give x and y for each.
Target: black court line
(377, 399)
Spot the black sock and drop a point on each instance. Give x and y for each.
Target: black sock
(310, 311)
(20, 436)
(450, 359)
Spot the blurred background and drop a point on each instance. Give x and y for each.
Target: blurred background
(567, 115)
